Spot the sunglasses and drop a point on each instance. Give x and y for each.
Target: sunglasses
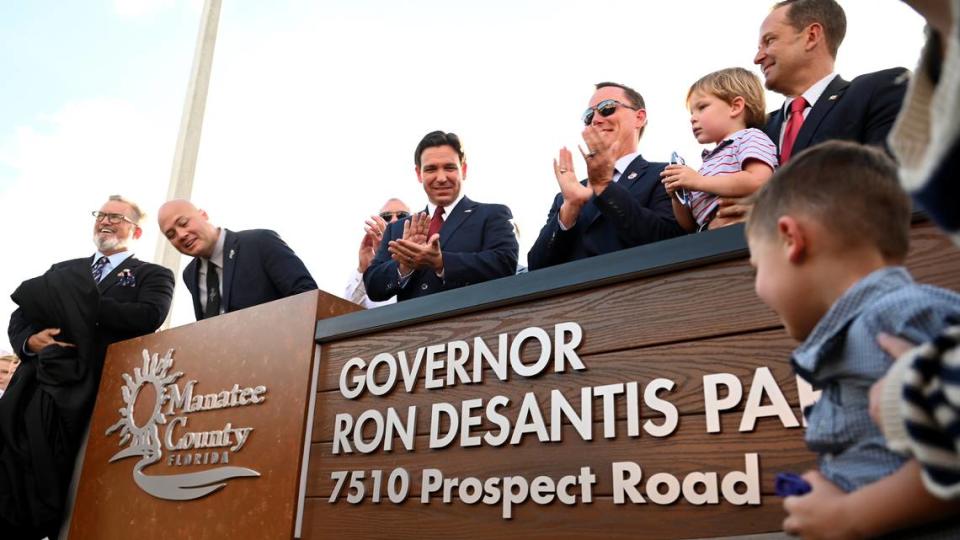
(388, 216)
(605, 108)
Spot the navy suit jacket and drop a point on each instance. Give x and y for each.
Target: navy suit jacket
(478, 243)
(861, 110)
(632, 211)
(128, 307)
(258, 267)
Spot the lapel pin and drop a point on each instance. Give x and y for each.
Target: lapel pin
(631, 176)
(468, 211)
(232, 253)
(834, 97)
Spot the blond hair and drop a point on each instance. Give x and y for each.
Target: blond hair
(731, 83)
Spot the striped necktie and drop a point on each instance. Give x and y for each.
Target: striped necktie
(98, 268)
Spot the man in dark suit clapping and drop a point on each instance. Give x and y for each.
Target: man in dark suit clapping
(455, 242)
(622, 203)
(231, 270)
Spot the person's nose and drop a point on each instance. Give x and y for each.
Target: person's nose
(759, 57)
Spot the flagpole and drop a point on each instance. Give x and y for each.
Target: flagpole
(191, 125)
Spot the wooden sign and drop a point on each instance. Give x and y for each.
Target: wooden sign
(199, 431)
(656, 407)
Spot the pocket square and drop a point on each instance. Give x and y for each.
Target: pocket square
(126, 278)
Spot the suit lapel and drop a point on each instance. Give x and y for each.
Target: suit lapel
(460, 213)
(231, 249)
(829, 98)
(191, 276)
(773, 127)
(111, 279)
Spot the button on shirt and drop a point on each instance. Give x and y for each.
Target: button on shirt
(618, 167)
(113, 261)
(217, 259)
(842, 358)
(811, 95)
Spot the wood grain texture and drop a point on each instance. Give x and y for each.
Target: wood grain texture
(680, 326)
(689, 449)
(683, 363)
(600, 519)
(268, 345)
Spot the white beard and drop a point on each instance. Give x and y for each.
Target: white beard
(108, 244)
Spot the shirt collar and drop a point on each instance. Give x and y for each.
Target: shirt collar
(217, 256)
(812, 95)
(863, 293)
(431, 208)
(622, 164)
(115, 260)
(722, 144)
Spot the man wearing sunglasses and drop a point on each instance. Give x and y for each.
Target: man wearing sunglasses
(455, 242)
(622, 203)
(64, 322)
(231, 270)
(393, 210)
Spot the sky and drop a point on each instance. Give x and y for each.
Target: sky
(315, 108)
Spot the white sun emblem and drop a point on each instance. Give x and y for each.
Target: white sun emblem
(145, 440)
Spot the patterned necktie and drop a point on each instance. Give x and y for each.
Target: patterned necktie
(213, 292)
(435, 222)
(793, 128)
(98, 268)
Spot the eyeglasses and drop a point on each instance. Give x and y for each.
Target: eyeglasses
(112, 219)
(388, 216)
(605, 108)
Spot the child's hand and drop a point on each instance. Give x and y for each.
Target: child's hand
(818, 514)
(675, 177)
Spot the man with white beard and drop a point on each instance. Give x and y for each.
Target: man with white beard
(65, 320)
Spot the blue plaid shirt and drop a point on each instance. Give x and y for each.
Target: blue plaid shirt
(841, 357)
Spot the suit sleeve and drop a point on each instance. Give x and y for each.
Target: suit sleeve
(496, 258)
(146, 314)
(636, 223)
(382, 277)
(884, 106)
(19, 331)
(553, 245)
(287, 272)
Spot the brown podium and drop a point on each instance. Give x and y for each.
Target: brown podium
(642, 394)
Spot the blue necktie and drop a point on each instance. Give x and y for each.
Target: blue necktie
(98, 268)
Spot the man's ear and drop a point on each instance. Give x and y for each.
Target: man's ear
(463, 170)
(137, 231)
(416, 169)
(794, 238)
(641, 118)
(813, 35)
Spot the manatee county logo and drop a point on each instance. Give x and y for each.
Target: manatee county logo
(145, 440)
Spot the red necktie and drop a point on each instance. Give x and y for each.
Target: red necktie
(793, 128)
(435, 222)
